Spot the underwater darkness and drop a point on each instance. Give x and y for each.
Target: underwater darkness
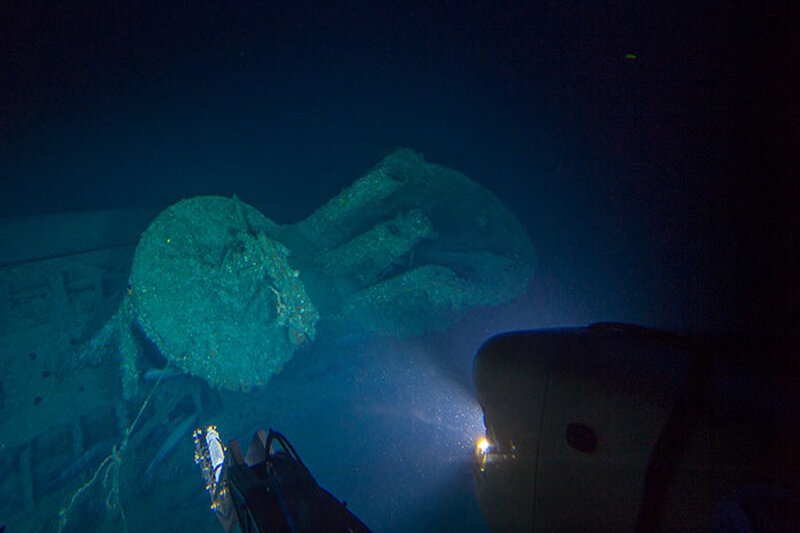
(642, 145)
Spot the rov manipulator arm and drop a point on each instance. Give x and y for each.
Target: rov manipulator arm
(269, 489)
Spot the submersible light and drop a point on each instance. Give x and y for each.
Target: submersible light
(488, 453)
(482, 450)
(483, 446)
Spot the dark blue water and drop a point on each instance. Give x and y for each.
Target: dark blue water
(622, 135)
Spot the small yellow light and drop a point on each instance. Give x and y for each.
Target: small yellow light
(482, 450)
(483, 446)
